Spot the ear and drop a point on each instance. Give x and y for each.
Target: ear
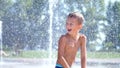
(80, 26)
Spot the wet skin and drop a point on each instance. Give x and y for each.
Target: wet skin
(70, 43)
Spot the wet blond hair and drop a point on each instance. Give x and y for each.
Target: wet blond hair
(77, 15)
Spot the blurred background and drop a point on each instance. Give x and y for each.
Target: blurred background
(31, 28)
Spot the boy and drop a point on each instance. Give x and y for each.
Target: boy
(70, 42)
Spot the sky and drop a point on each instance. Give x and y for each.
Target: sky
(107, 1)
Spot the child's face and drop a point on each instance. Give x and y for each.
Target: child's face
(72, 25)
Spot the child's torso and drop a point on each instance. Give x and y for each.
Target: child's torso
(71, 48)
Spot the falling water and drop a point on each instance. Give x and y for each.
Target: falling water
(1, 40)
(50, 27)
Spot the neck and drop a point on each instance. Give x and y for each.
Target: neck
(75, 35)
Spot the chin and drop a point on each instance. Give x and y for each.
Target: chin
(69, 32)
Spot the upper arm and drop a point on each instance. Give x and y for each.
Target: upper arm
(83, 51)
(61, 46)
(83, 41)
(83, 45)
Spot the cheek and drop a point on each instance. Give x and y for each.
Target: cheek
(66, 26)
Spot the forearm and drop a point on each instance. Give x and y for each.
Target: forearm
(66, 65)
(83, 62)
(83, 53)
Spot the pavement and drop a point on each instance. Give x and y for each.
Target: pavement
(46, 62)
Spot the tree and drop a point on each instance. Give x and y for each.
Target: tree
(23, 23)
(26, 22)
(113, 18)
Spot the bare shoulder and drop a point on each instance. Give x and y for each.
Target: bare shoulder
(63, 37)
(82, 36)
(83, 40)
(62, 41)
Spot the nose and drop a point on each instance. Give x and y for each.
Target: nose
(67, 26)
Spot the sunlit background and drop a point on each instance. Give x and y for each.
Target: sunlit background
(30, 29)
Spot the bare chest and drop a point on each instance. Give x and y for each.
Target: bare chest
(72, 45)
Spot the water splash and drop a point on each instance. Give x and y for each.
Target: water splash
(50, 27)
(1, 42)
(52, 4)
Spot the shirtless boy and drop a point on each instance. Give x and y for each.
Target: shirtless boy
(70, 42)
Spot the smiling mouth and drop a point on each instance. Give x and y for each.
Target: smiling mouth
(69, 30)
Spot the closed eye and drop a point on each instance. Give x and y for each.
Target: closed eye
(71, 24)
